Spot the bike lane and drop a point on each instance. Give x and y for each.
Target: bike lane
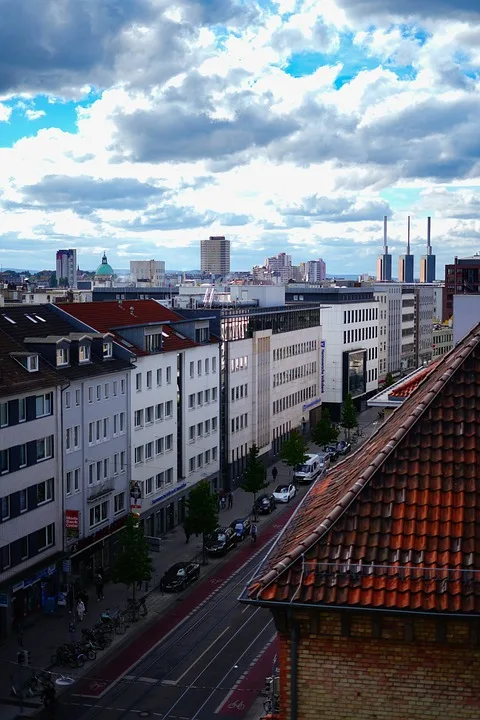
(108, 671)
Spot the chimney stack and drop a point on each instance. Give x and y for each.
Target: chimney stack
(429, 230)
(385, 236)
(408, 236)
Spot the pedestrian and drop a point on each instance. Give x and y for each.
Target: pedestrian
(223, 501)
(83, 596)
(230, 500)
(274, 473)
(70, 599)
(80, 610)
(187, 531)
(99, 586)
(253, 533)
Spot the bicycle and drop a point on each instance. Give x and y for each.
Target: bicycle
(272, 705)
(136, 609)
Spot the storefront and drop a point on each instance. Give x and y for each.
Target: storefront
(95, 552)
(156, 521)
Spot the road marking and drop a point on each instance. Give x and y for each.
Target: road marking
(245, 609)
(175, 682)
(153, 681)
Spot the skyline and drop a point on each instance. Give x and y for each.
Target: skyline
(291, 126)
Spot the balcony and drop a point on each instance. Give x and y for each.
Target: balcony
(100, 490)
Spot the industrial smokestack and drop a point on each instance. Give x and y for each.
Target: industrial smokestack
(429, 229)
(408, 236)
(385, 237)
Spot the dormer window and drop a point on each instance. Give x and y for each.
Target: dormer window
(153, 342)
(32, 363)
(107, 350)
(63, 357)
(27, 361)
(83, 353)
(201, 334)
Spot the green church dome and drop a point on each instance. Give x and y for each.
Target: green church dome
(104, 268)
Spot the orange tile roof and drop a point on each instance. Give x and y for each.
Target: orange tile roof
(395, 525)
(411, 383)
(110, 315)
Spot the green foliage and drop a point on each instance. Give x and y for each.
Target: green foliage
(53, 280)
(325, 432)
(349, 415)
(202, 511)
(294, 450)
(133, 564)
(388, 380)
(254, 473)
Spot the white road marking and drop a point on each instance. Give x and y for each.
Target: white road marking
(153, 681)
(175, 682)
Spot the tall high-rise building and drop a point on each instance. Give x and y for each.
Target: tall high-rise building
(384, 261)
(215, 255)
(405, 262)
(428, 261)
(315, 271)
(66, 268)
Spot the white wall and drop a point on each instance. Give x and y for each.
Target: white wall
(466, 315)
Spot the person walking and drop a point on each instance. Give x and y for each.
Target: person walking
(99, 586)
(187, 531)
(230, 500)
(253, 533)
(80, 610)
(83, 596)
(274, 473)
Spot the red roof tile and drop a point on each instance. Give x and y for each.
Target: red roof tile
(411, 383)
(395, 524)
(108, 316)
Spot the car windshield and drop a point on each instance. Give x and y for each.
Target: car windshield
(181, 572)
(304, 468)
(239, 526)
(282, 489)
(221, 537)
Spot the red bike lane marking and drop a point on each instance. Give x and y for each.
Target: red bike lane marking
(242, 697)
(110, 669)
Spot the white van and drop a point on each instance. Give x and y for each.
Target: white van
(311, 469)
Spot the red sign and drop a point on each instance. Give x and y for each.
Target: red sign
(71, 519)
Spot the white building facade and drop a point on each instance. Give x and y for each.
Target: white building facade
(147, 271)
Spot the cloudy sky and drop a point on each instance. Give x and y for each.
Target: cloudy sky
(142, 126)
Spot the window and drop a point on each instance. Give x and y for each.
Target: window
(138, 418)
(139, 454)
(191, 433)
(3, 414)
(99, 470)
(90, 394)
(169, 374)
(159, 376)
(169, 442)
(23, 501)
(199, 367)
(159, 444)
(149, 486)
(214, 424)
(159, 411)
(149, 379)
(99, 513)
(207, 396)
(207, 457)
(207, 427)
(200, 460)
(98, 430)
(214, 364)
(116, 462)
(122, 387)
(83, 353)
(200, 398)
(4, 461)
(192, 369)
(91, 473)
(105, 428)
(115, 388)
(169, 408)
(67, 399)
(191, 465)
(43, 405)
(99, 393)
(22, 450)
(214, 394)
(207, 366)
(200, 429)
(138, 382)
(4, 508)
(118, 503)
(91, 433)
(191, 401)
(122, 423)
(22, 410)
(32, 363)
(68, 439)
(106, 390)
(62, 356)
(45, 537)
(149, 415)
(45, 491)
(123, 459)
(105, 468)
(214, 453)
(44, 448)
(169, 476)
(149, 451)
(24, 547)
(159, 480)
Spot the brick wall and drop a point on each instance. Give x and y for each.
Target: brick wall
(361, 667)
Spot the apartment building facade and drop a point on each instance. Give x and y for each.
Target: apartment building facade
(31, 536)
(174, 388)
(215, 255)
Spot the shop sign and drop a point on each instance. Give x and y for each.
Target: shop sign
(3, 600)
(71, 519)
(169, 493)
(311, 404)
(17, 587)
(66, 566)
(135, 495)
(322, 366)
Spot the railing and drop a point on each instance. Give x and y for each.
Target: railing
(98, 491)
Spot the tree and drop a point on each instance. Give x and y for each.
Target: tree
(349, 416)
(254, 475)
(53, 280)
(388, 380)
(202, 512)
(325, 432)
(294, 450)
(134, 563)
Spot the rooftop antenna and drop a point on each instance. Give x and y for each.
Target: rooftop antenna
(408, 236)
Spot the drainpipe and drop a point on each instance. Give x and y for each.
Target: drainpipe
(294, 671)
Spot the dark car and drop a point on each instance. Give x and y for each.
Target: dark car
(343, 447)
(332, 451)
(264, 504)
(179, 576)
(241, 526)
(221, 541)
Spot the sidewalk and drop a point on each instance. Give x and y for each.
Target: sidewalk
(50, 631)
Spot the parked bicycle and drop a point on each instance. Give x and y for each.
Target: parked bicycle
(136, 609)
(34, 686)
(97, 637)
(69, 655)
(114, 620)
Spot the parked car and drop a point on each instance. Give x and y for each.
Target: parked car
(221, 541)
(310, 470)
(332, 451)
(179, 576)
(343, 447)
(284, 493)
(242, 527)
(264, 504)
(324, 459)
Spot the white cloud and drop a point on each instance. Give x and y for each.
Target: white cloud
(5, 112)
